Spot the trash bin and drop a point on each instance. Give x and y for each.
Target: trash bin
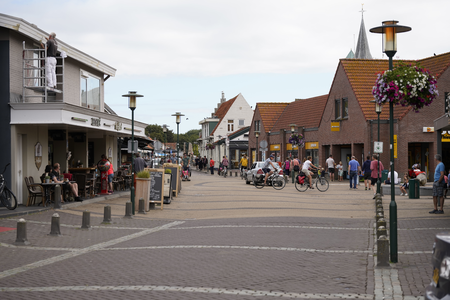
(414, 189)
(384, 175)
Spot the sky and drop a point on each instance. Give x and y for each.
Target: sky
(181, 54)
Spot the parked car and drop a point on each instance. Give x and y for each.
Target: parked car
(252, 172)
(439, 287)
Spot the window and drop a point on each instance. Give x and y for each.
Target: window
(90, 91)
(337, 109)
(241, 123)
(230, 125)
(257, 126)
(344, 108)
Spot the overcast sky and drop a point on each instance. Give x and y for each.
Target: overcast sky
(181, 54)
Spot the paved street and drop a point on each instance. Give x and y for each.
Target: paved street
(223, 239)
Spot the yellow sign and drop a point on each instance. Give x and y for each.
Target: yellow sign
(312, 145)
(275, 147)
(395, 146)
(335, 126)
(253, 155)
(445, 137)
(289, 147)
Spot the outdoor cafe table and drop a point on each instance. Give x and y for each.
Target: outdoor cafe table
(47, 187)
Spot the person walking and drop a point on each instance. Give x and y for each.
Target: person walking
(340, 171)
(374, 175)
(367, 173)
(139, 163)
(330, 165)
(438, 185)
(353, 167)
(295, 167)
(286, 168)
(211, 166)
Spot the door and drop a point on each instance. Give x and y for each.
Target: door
(19, 168)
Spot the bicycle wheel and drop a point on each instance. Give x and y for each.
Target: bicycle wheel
(259, 184)
(278, 182)
(322, 184)
(8, 199)
(301, 187)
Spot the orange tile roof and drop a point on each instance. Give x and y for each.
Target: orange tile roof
(362, 74)
(222, 111)
(270, 113)
(303, 113)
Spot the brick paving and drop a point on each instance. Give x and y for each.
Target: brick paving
(223, 239)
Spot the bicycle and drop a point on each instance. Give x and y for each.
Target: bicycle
(7, 197)
(302, 181)
(276, 180)
(243, 173)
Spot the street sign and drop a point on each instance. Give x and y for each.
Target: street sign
(263, 144)
(135, 148)
(263, 149)
(377, 147)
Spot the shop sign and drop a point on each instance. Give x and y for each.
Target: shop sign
(335, 126)
(395, 146)
(445, 137)
(428, 129)
(312, 145)
(289, 147)
(95, 122)
(38, 155)
(275, 147)
(118, 126)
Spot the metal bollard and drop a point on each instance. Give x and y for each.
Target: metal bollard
(55, 227)
(128, 210)
(57, 203)
(381, 222)
(235, 174)
(107, 215)
(383, 251)
(21, 238)
(141, 206)
(379, 216)
(86, 224)
(381, 231)
(380, 210)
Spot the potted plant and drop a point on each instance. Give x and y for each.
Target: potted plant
(406, 85)
(143, 183)
(47, 179)
(210, 146)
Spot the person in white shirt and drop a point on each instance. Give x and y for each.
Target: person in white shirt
(306, 165)
(330, 164)
(388, 181)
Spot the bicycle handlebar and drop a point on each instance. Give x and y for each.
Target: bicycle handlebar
(5, 168)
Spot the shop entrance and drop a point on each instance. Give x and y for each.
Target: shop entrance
(418, 153)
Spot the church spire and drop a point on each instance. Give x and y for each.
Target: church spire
(362, 48)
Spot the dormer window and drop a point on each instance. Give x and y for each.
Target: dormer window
(90, 90)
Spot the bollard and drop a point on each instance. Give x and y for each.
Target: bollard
(55, 227)
(379, 216)
(380, 210)
(381, 231)
(378, 196)
(57, 203)
(128, 210)
(141, 206)
(152, 205)
(383, 251)
(379, 201)
(381, 222)
(86, 223)
(235, 174)
(21, 238)
(107, 215)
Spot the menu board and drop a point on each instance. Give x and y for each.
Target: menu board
(175, 182)
(156, 185)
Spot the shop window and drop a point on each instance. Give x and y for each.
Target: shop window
(344, 108)
(337, 109)
(90, 91)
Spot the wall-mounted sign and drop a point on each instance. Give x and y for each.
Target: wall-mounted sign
(377, 147)
(445, 137)
(428, 129)
(335, 126)
(95, 122)
(79, 119)
(275, 147)
(312, 145)
(289, 147)
(38, 155)
(118, 126)
(395, 146)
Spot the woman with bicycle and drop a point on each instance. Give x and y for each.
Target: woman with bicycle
(225, 165)
(243, 163)
(306, 166)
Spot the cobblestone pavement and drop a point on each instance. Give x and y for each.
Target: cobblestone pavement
(223, 239)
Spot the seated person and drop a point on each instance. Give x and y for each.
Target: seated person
(388, 181)
(55, 175)
(405, 185)
(47, 171)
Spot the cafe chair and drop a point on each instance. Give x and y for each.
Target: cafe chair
(84, 187)
(34, 190)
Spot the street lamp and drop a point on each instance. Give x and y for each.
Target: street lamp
(257, 151)
(178, 116)
(132, 105)
(218, 144)
(292, 149)
(389, 31)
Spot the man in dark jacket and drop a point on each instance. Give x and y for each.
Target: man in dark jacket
(367, 173)
(139, 163)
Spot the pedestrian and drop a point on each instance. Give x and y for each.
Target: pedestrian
(340, 171)
(110, 173)
(286, 167)
(294, 166)
(50, 60)
(205, 163)
(196, 163)
(367, 173)
(139, 163)
(375, 173)
(186, 164)
(438, 185)
(353, 167)
(211, 166)
(405, 185)
(330, 165)
(388, 180)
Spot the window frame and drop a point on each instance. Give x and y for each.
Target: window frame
(337, 109)
(84, 77)
(344, 114)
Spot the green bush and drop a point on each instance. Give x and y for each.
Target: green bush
(143, 174)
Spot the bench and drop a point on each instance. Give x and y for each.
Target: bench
(426, 190)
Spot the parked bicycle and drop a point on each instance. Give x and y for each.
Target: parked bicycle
(302, 181)
(7, 197)
(276, 180)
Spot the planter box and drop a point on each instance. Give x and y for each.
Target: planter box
(142, 191)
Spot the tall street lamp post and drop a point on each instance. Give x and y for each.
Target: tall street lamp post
(257, 146)
(132, 105)
(218, 144)
(178, 116)
(378, 111)
(292, 149)
(389, 30)
(165, 140)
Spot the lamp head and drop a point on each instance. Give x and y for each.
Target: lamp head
(164, 128)
(132, 99)
(292, 127)
(389, 31)
(178, 116)
(257, 133)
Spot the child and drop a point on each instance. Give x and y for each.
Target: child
(340, 171)
(405, 185)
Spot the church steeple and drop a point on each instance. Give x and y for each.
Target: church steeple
(362, 48)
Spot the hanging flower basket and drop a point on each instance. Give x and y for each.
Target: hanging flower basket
(297, 140)
(406, 85)
(210, 146)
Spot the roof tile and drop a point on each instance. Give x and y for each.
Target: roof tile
(270, 113)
